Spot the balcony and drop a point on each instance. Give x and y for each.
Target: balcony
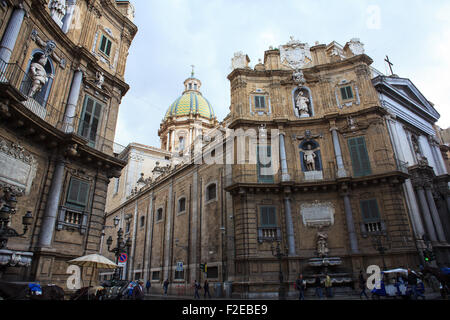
(14, 82)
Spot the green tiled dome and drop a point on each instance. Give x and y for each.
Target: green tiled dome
(191, 102)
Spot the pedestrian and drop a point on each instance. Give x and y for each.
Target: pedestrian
(362, 285)
(148, 286)
(197, 287)
(420, 289)
(300, 285)
(138, 291)
(130, 290)
(166, 286)
(206, 288)
(412, 283)
(328, 286)
(318, 285)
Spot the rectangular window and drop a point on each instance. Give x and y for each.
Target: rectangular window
(359, 156)
(179, 275)
(182, 205)
(212, 272)
(268, 229)
(142, 223)
(211, 192)
(264, 164)
(78, 194)
(159, 214)
(155, 275)
(371, 215)
(105, 45)
(347, 93)
(90, 120)
(260, 102)
(116, 185)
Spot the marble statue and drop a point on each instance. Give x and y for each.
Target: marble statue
(322, 244)
(99, 79)
(310, 159)
(301, 103)
(38, 75)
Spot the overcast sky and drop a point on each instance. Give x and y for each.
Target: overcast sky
(175, 34)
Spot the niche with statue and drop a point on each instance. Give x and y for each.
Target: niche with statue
(311, 160)
(303, 104)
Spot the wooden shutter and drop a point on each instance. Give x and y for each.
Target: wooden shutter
(359, 156)
(369, 211)
(268, 217)
(347, 93)
(266, 151)
(78, 193)
(260, 102)
(90, 120)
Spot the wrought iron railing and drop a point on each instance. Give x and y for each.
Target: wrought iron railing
(12, 75)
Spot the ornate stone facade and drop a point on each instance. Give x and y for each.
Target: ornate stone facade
(60, 92)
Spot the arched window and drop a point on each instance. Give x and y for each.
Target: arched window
(41, 94)
(181, 143)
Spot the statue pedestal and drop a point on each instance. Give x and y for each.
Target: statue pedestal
(313, 175)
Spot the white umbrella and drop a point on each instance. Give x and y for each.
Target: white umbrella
(95, 261)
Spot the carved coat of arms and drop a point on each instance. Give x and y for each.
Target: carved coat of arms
(295, 54)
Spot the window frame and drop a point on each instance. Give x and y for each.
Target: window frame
(360, 169)
(83, 123)
(344, 90)
(105, 50)
(180, 201)
(207, 192)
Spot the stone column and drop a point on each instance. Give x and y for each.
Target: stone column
(72, 101)
(51, 208)
(12, 31)
(132, 256)
(342, 173)
(148, 244)
(426, 214)
(350, 224)
(284, 167)
(168, 235)
(67, 20)
(289, 226)
(435, 215)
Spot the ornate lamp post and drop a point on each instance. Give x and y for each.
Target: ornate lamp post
(381, 243)
(8, 209)
(276, 252)
(123, 246)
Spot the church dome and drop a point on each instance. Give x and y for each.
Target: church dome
(191, 102)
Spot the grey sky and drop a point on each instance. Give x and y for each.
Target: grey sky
(174, 34)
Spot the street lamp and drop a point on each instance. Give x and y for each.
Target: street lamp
(276, 252)
(381, 243)
(121, 247)
(8, 209)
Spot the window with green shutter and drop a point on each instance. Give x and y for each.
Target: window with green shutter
(359, 156)
(371, 218)
(264, 164)
(105, 45)
(260, 103)
(90, 120)
(78, 193)
(347, 93)
(268, 217)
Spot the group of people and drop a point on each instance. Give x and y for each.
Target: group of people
(300, 286)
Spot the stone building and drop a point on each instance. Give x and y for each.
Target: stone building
(411, 121)
(301, 175)
(62, 69)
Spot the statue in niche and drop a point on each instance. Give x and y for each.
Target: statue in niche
(322, 244)
(99, 79)
(421, 159)
(310, 159)
(38, 75)
(302, 105)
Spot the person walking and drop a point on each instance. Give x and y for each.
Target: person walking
(138, 291)
(362, 285)
(148, 286)
(328, 286)
(300, 285)
(197, 287)
(166, 286)
(206, 288)
(412, 283)
(318, 285)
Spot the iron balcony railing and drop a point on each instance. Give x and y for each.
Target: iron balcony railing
(11, 74)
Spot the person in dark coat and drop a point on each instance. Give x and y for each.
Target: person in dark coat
(206, 288)
(138, 291)
(197, 287)
(362, 285)
(148, 285)
(318, 285)
(300, 285)
(166, 286)
(412, 283)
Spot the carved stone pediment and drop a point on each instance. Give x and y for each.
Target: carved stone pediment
(295, 54)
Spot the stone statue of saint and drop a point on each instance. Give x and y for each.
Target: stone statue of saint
(38, 75)
(310, 159)
(99, 79)
(301, 104)
(322, 244)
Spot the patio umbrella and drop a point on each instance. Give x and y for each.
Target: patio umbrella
(95, 261)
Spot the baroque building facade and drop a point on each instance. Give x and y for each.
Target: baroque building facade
(62, 69)
(301, 176)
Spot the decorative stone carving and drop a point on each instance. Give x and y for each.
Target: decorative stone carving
(322, 244)
(239, 61)
(295, 54)
(302, 104)
(38, 75)
(299, 78)
(58, 11)
(17, 167)
(10, 258)
(356, 46)
(99, 79)
(317, 214)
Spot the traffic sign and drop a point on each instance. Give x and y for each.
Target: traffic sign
(123, 257)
